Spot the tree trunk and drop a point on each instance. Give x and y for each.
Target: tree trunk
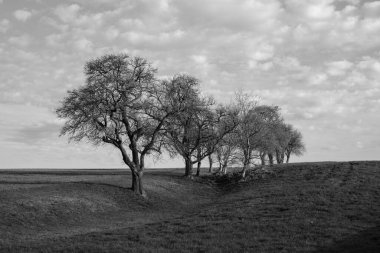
(220, 167)
(224, 169)
(245, 168)
(244, 171)
(270, 156)
(287, 158)
(210, 164)
(188, 167)
(262, 157)
(278, 159)
(198, 168)
(137, 183)
(282, 157)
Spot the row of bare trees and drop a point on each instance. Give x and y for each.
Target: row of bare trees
(124, 105)
(261, 137)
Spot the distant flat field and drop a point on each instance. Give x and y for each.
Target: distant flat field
(305, 207)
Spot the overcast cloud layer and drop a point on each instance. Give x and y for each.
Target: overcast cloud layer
(319, 60)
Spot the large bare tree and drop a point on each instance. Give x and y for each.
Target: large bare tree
(121, 104)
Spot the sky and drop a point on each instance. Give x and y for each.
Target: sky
(319, 60)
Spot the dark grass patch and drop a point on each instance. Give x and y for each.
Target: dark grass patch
(310, 207)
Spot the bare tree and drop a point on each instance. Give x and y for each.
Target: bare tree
(246, 130)
(122, 105)
(194, 133)
(204, 150)
(224, 123)
(295, 144)
(254, 123)
(279, 141)
(268, 142)
(282, 137)
(184, 130)
(226, 152)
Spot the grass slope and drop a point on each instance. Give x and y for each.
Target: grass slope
(310, 207)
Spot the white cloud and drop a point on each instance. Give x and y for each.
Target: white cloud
(54, 40)
(25, 55)
(90, 21)
(171, 35)
(350, 23)
(224, 14)
(261, 57)
(22, 15)
(131, 23)
(338, 68)
(320, 10)
(318, 79)
(369, 66)
(303, 34)
(291, 63)
(371, 25)
(21, 41)
(371, 9)
(4, 25)
(264, 52)
(84, 45)
(112, 33)
(313, 9)
(199, 59)
(137, 37)
(354, 80)
(54, 23)
(359, 145)
(145, 39)
(67, 13)
(59, 73)
(353, 2)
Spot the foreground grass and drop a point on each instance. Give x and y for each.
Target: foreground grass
(328, 207)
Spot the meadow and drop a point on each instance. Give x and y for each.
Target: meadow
(303, 207)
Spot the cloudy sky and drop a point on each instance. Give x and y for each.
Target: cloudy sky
(319, 60)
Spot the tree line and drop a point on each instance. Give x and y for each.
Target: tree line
(124, 105)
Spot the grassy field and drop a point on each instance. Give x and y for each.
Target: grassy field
(307, 207)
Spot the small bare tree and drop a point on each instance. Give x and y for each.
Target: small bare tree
(194, 133)
(295, 145)
(226, 152)
(274, 141)
(282, 137)
(255, 121)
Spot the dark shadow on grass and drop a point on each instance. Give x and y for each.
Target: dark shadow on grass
(102, 184)
(66, 172)
(64, 183)
(367, 241)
